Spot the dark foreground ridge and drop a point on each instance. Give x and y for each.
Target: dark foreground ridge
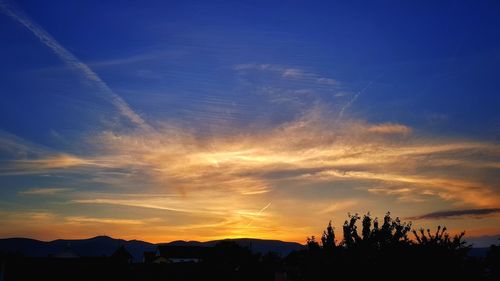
(368, 249)
(104, 246)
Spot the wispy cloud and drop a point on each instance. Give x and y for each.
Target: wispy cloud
(328, 81)
(343, 205)
(51, 162)
(389, 191)
(17, 147)
(93, 220)
(292, 73)
(355, 97)
(405, 194)
(457, 213)
(470, 192)
(45, 191)
(342, 94)
(225, 214)
(149, 204)
(307, 151)
(289, 73)
(71, 60)
(390, 128)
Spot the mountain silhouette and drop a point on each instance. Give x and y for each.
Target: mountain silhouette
(105, 246)
(93, 247)
(261, 246)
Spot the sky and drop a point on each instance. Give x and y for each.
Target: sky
(202, 120)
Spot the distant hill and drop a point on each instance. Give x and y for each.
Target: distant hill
(483, 241)
(256, 245)
(93, 247)
(105, 246)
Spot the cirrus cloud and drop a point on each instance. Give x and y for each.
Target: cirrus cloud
(389, 128)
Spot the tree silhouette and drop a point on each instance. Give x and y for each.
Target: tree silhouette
(351, 236)
(312, 244)
(386, 249)
(367, 223)
(393, 231)
(441, 239)
(328, 238)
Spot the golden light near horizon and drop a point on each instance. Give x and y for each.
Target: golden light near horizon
(233, 186)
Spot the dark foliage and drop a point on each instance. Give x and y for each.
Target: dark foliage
(389, 252)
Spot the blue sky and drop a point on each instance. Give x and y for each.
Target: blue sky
(255, 86)
(430, 61)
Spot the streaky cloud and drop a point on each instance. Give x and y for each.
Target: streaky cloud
(13, 145)
(355, 97)
(308, 151)
(92, 220)
(457, 213)
(71, 60)
(292, 73)
(390, 128)
(45, 191)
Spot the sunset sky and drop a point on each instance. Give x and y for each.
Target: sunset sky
(201, 120)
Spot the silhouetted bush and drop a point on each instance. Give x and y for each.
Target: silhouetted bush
(386, 252)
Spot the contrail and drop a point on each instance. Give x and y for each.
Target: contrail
(258, 213)
(350, 102)
(70, 59)
(263, 209)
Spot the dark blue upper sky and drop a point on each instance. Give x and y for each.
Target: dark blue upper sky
(433, 65)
